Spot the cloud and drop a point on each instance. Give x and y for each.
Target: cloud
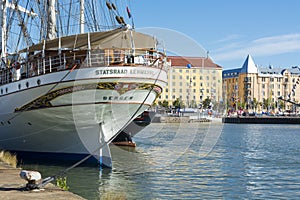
(266, 46)
(227, 38)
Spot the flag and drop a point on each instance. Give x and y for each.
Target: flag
(128, 12)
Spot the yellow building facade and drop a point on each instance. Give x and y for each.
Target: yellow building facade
(261, 88)
(192, 80)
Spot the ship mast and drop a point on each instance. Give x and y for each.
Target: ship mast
(81, 16)
(3, 34)
(51, 25)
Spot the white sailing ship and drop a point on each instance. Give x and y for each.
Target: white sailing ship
(68, 91)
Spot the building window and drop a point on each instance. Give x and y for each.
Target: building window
(180, 84)
(286, 80)
(180, 70)
(167, 96)
(278, 93)
(194, 84)
(207, 78)
(278, 86)
(180, 90)
(173, 76)
(263, 79)
(201, 78)
(263, 86)
(207, 90)
(187, 77)
(271, 79)
(180, 77)
(173, 97)
(174, 83)
(173, 90)
(246, 79)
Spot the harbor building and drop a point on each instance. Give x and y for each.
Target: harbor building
(192, 80)
(266, 89)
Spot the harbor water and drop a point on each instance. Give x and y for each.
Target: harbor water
(194, 161)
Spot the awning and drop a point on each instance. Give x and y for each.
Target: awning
(118, 38)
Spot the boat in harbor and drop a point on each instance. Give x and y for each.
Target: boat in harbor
(124, 138)
(68, 84)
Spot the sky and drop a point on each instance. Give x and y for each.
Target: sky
(226, 30)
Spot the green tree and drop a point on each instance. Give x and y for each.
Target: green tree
(164, 104)
(178, 103)
(206, 102)
(265, 103)
(193, 104)
(255, 104)
(282, 105)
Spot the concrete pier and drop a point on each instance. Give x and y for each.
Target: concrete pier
(184, 119)
(13, 187)
(262, 120)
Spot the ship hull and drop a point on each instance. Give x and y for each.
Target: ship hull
(75, 112)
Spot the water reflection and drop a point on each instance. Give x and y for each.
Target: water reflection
(248, 162)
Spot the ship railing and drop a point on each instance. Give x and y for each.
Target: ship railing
(124, 57)
(68, 60)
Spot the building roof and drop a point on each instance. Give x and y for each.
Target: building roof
(183, 61)
(249, 66)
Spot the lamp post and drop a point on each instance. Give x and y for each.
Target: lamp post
(189, 66)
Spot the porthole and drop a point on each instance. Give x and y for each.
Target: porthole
(1, 91)
(27, 84)
(19, 86)
(38, 82)
(6, 90)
